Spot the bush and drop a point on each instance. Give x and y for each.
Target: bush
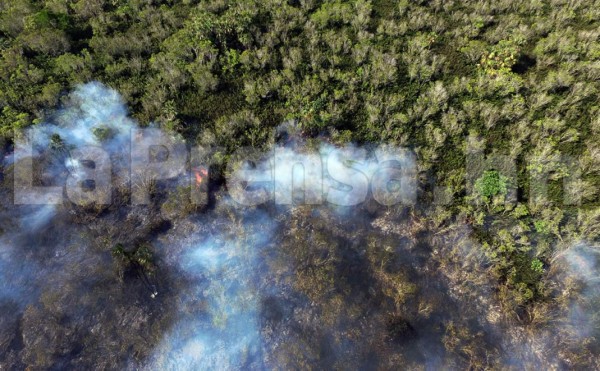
(491, 184)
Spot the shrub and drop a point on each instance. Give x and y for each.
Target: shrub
(491, 184)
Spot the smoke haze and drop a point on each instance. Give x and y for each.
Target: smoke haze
(335, 267)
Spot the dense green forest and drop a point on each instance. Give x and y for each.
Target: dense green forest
(450, 80)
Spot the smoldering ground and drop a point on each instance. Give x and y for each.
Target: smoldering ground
(70, 295)
(170, 284)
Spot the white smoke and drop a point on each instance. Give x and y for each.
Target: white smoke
(339, 177)
(219, 327)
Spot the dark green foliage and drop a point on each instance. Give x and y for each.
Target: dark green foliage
(139, 258)
(492, 183)
(103, 133)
